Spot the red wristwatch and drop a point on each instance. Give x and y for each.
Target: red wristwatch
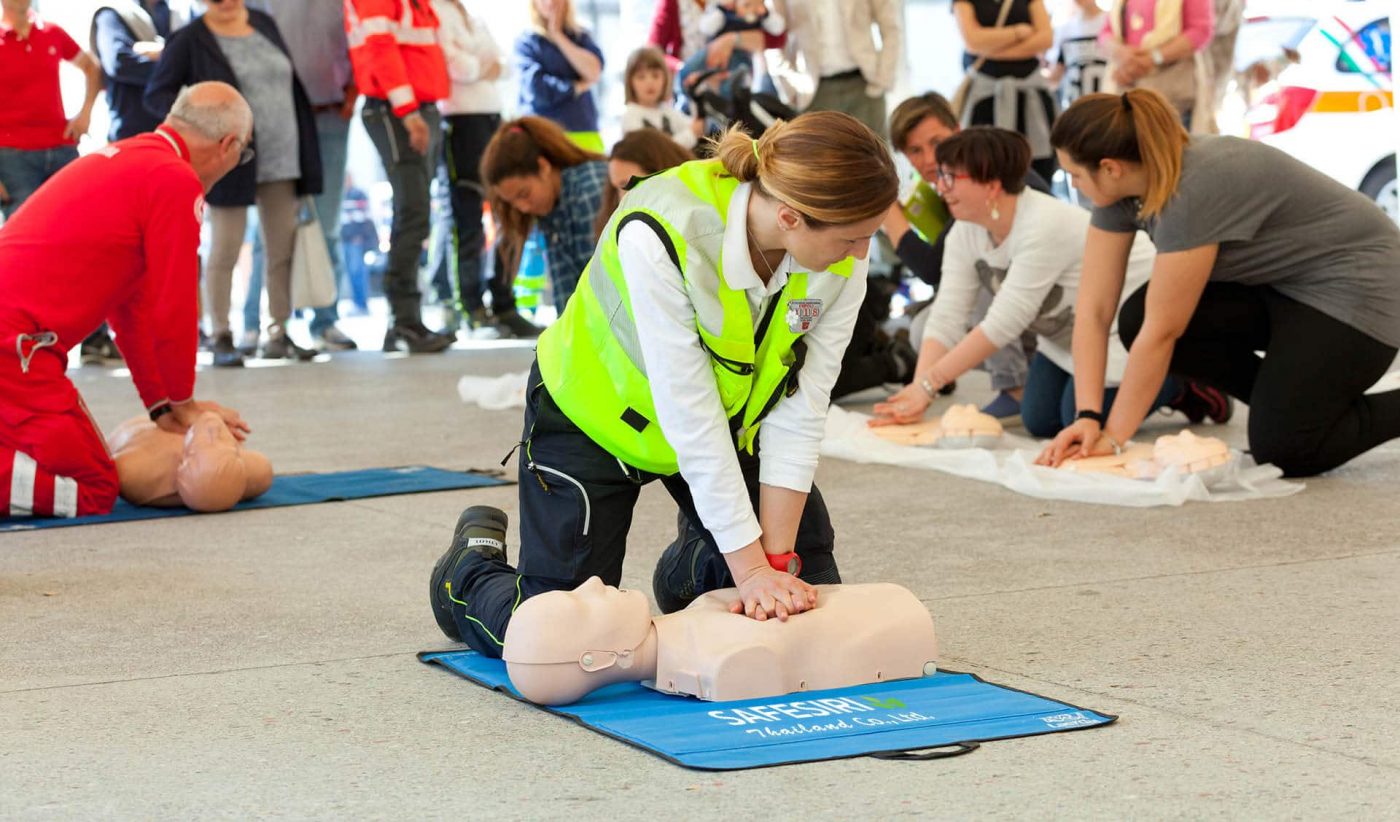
(789, 562)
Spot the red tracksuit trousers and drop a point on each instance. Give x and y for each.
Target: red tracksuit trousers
(53, 460)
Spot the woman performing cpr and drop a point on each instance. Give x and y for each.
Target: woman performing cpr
(1256, 252)
(722, 294)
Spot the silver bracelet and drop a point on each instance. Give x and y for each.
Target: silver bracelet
(928, 388)
(1117, 449)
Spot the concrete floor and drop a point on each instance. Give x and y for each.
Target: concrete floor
(262, 663)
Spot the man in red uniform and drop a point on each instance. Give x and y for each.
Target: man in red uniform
(112, 236)
(400, 69)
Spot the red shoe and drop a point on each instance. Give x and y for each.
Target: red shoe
(1199, 401)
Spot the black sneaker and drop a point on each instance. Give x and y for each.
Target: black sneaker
(98, 349)
(481, 529)
(687, 569)
(225, 355)
(1199, 401)
(281, 347)
(511, 324)
(415, 338)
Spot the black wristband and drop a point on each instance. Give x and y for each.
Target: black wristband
(161, 410)
(1086, 414)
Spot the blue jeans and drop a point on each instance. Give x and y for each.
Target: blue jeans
(1049, 405)
(333, 135)
(22, 171)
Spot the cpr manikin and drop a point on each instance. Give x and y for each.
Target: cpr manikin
(563, 645)
(1185, 452)
(206, 469)
(961, 426)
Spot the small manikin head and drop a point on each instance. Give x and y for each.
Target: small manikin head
(563, 644)
(215, 473)
(1189, 452)
(967, 420)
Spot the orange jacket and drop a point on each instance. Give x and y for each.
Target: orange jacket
(394, 49)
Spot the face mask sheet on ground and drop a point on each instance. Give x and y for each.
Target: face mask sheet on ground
(1011, 465)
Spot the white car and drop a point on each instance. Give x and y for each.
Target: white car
(1334, 108)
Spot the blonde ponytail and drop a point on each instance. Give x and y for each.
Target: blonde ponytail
(827, 165)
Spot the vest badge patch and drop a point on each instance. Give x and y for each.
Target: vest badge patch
(802, 315)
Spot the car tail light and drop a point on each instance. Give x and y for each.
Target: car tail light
(1281, 110)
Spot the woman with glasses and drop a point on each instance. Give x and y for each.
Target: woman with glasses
(243, 48)
(1025, 247)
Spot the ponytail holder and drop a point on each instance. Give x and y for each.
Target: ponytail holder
(1127, 104)
(754, 143)
(519, 130)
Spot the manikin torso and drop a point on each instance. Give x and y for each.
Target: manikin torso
(206, 469)
(961, 426)
(1186, 452)
(564, 644)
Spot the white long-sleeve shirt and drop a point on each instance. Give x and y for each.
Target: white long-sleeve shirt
(469, 48)
(669, 121)
(683, 388)
(1034, 277)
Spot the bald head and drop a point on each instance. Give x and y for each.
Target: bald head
(211, 110)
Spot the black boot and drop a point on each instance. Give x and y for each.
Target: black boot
(481, 529)
(415, 338)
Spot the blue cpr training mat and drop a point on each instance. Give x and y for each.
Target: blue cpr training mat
(301, 489)
(889, 720)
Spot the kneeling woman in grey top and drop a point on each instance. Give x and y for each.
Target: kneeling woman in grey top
(1256, 252)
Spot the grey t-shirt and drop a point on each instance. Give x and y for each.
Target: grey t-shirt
(265, 77)
(1282, 224)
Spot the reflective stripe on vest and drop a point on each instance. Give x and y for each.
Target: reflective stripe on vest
(591, 359)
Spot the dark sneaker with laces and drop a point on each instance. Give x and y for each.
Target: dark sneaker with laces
(511, 324)
(415, 338)
(481, 529)
(331, 338)
(1199, 401)
(281, 347)
(687, 569)
(225, 354)
(99, 349)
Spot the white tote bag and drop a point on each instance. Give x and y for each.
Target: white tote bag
(313, 276)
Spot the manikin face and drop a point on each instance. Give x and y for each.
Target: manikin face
(620, 171)
(921, 146)
(211, 475)
(533, 194)
(593, 620)
(817, 249)
(649, 86)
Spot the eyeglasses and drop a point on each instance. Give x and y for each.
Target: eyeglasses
(945, 178)
(247, 154)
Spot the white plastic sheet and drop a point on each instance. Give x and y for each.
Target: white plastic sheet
(494, 393)
(1012, 466)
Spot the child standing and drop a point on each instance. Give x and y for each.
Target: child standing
(647, 84)
(1078, 63)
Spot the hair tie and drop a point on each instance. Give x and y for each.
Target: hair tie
(1127, 104)
(516, 130)
(754, 143)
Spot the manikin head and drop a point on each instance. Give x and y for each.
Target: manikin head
(564, 644)
(215, 473)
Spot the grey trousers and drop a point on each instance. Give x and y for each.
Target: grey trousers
(1008, 366)
(846, 93)
(277, 223)
(410, 174)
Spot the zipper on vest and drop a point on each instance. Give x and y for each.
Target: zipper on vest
(587, 506)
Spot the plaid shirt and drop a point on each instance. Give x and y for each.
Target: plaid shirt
(568, 229)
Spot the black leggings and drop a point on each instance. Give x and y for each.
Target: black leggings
(1308, 412)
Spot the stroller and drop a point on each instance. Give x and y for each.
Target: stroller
(733, 102)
